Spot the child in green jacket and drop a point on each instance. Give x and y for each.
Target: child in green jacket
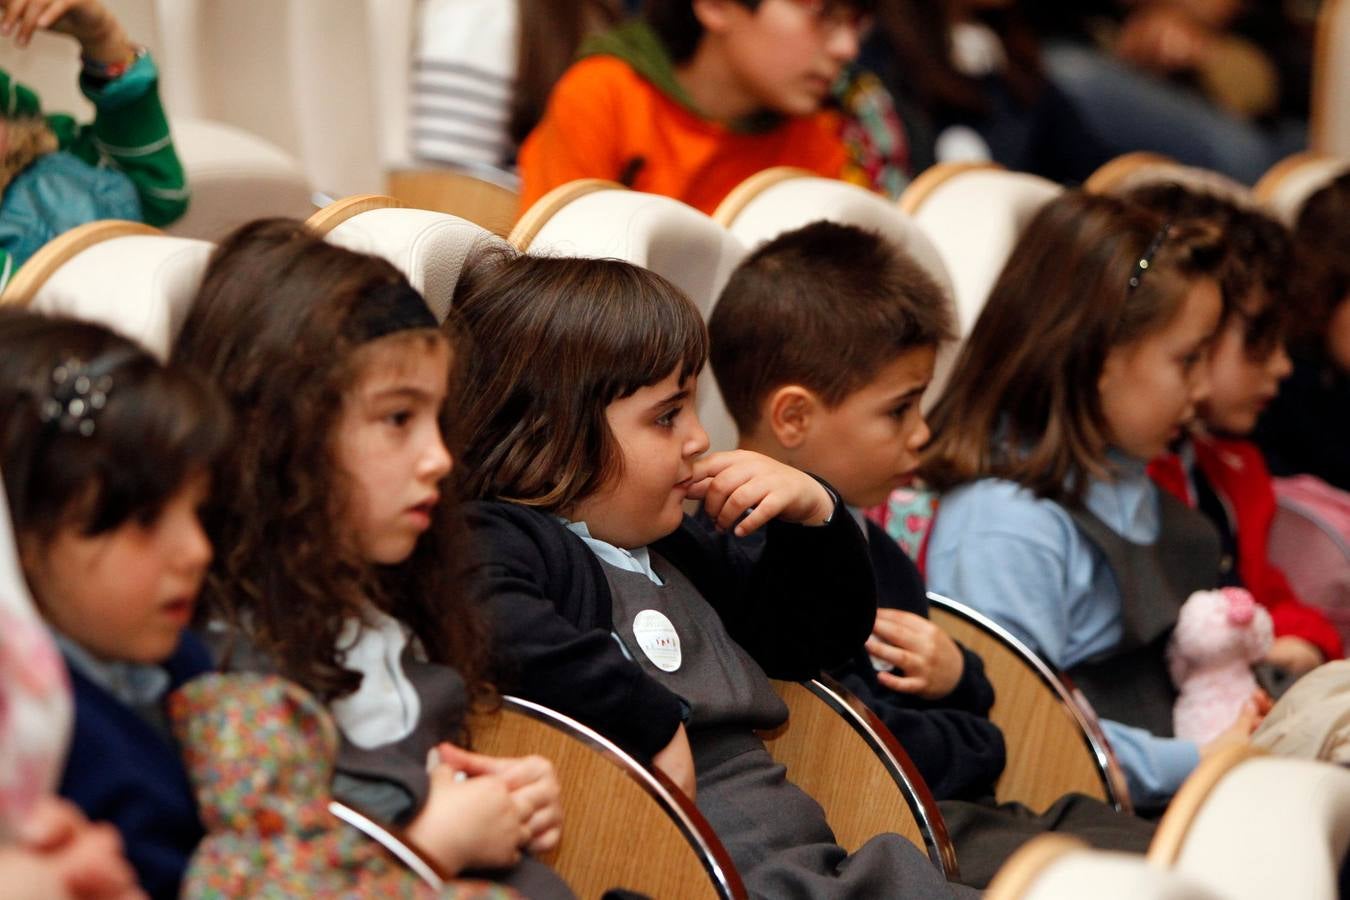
(55, 173)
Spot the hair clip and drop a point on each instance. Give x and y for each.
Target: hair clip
(1147, 259)
(76, 397)
(80, 391)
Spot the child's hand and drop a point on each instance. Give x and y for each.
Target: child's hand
(469, 823)
(1294, 655)
(737, 481)
(85, 857)
(676, 760)
(1248, 719)
(88, 21)
(533, 785)
(931, 661)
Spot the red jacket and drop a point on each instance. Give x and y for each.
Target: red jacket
(1237, 472)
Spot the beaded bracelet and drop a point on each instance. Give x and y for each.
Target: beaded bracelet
(101, 71)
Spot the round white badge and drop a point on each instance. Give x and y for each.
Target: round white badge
(657, 638)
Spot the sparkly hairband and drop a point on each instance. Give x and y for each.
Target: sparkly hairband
(80, 391)
(1147, 259)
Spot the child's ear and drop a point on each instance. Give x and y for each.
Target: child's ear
(789, 413)
(714, 15)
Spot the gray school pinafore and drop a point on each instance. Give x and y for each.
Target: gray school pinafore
(1129, 683)
(775, 833)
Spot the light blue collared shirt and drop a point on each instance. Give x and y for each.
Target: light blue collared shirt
(639, 560)
(1023, 562)
(140, 687)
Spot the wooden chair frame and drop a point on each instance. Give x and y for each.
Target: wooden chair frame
(1319, 138)
(339, 211)
(1089, 767)
(1174, 827)
(533, 220)
(885, 794)
(744, 193)
(486, 202)
(934, 177)
(1113, 172)
(1269, 184)
(54, 254)
(605, 789)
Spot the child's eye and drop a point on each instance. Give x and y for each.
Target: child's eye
(667, 419)
(902, 410)
(399, 418)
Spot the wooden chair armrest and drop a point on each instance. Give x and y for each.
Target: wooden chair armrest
(830, 732)
(610, 801)
(1055, 744)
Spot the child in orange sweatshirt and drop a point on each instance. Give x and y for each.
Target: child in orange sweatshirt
(699, 95)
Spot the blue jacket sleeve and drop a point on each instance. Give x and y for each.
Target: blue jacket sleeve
(1154, 766)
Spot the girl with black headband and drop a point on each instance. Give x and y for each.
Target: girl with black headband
(1086, 363)
(107, 456)
(340, 555)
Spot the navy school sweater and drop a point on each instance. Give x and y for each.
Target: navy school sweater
(806, 603)
(123, 771)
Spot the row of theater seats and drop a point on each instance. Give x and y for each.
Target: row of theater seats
(960, 222)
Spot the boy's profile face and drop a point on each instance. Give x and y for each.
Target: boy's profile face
(868, 445)
(784, 55)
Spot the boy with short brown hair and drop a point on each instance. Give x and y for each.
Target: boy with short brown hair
(822, 344)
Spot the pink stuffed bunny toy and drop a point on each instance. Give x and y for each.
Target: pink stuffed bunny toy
(1219, 635)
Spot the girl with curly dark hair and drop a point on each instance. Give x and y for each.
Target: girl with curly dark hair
(340, 554)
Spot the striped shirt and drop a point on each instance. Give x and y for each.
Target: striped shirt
(463, 80)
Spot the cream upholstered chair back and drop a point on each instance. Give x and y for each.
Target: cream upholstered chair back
(1290, 182)
(300, 75)
(235, 177)
(676, 241)
(430, 248)
(1330, 113)
(1055, 867)
(129, 277)
(974, 216)
(1264, 826)
(788, 202)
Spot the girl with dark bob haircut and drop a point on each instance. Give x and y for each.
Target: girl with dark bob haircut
(1088, 360)
(341, 553)
(107, 456)
(611, 605)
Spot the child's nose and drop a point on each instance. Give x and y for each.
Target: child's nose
(1280, 364)
(436, 461)
(196, 551)
(697, 443)
(1200, 384)
(921, 435)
